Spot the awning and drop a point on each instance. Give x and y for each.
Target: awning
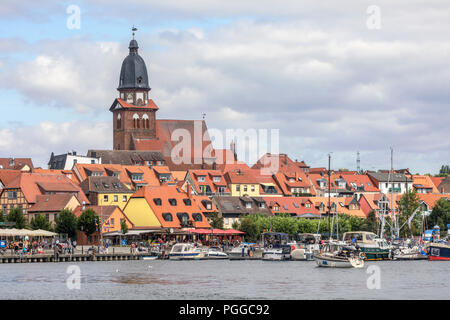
(216, 231)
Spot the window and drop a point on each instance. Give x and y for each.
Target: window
(119, 121)
(248, 205)
(92, 161)
(135, 121)
(146, 121)
(262, 205)
(216, 179)
(12, 195)
(187, 202)
(124, 199)
(157, 201)
(308, 205)
(238, 188)
(167, 217)
(55, 216)
(275, 208)
(47, 216)
(112, 222)
(137, 176)
(116, 198)
(245, 188)
(253, 188)
(105, 197)
(75, 161)
(173, 202)
(201, 179)
(197, 217)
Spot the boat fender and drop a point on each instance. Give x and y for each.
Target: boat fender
(250, 253)
(270, 246)
(362, 255)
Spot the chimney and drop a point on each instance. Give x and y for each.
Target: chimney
(11, 162)
(84, 206)
(189, 189)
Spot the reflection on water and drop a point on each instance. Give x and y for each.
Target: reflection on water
(223, 280)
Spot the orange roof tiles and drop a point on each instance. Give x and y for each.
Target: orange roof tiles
(171, 192)
(424, 182)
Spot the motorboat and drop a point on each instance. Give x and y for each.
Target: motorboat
(307, 245)
(372, 247)
(405, 252)
(149, 257)
(276, 247)
(186, 251)
(338, 255)
(216, 253)
(245, 251)
(438, 251)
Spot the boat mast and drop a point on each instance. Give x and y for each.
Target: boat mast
(329, 193)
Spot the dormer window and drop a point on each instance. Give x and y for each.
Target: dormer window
(201, 179)
(137, 176)
(167, 217)
(187, 202)
(197, 217)
(173, 202)
(248, 205)
(216, 179)
(157, 201)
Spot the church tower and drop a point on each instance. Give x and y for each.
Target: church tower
(133, 112)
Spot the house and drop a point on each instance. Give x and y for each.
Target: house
(232, 208)
(165, 207)
(294, 184)
(268, 186)
(106, 191)
(359, 184)
(67, 160)
(242, 183)
(111, 218)
(22, 164)
(387, 183)
(129, 157)
(297, 207)
(6, 176)
(206, 182)
(444, 186)
(338, 185)
(23, 191)
(50, 205)
(341, 205)
(133, 177)
(428, 201)
(424, 184)
(68, 173)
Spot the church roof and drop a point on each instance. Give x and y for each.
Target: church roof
(133, 74)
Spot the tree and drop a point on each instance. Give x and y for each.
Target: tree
(440, 215)
(66, 222)
(371, 223)
(250, 227)
(2, 217)
(445, 171)
(16, 215)
(89, 222)
(40, 222)
(408, 203)
(235, 225)
(123, 226)
(215, 221)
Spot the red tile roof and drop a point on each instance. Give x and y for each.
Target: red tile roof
(17, 163)
(51, 203)
(292, 205)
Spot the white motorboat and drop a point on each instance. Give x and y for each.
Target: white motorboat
(245, 251)
(186, 251)
(336, 255)
(307, 245)
(150, 258)
(276, 247)
(216, 253)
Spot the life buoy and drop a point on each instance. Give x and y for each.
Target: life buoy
(270, 246)
(362, 255)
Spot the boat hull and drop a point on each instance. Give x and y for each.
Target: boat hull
(439, 253)
(331, 262)
(375, 254)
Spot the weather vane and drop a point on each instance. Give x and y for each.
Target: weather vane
(133, 29)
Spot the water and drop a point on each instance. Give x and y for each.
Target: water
(231, 280)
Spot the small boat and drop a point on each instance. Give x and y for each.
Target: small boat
(402, 252)
(372, 247)
(149, 257)
(216, 253)
(438, 251)
(276, 247)
(245, 251)
(307, 245)
(336, 255)
(186, 251)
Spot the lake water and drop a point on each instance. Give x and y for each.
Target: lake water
(231, 280)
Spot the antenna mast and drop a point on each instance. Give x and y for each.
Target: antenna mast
(358, 163)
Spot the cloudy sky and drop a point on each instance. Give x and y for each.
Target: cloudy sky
(332, 76)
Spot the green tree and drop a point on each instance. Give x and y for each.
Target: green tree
(440, 215)
(88, 222)
(66, 222)
(408, 203)
(235, 225)
(215, 221)
(16, 215)
(251, 229)
(371, 223)
(40, 222)
(445, 171)
(124, 226)
(2, 217)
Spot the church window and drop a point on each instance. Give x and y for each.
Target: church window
(119, 121)
(145, 121)
(136, 120)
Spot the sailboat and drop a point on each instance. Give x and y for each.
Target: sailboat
(337, 254)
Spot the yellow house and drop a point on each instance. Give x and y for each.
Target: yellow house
(106, 191)
(242, 183)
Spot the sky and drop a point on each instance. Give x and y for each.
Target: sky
(333, 77)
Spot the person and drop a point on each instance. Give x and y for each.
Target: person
(106, 246)
(133, 246)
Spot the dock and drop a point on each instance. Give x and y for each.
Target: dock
(35, 258)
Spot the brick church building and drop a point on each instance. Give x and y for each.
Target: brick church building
(136, 127)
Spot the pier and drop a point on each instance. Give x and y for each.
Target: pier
(70, 257)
